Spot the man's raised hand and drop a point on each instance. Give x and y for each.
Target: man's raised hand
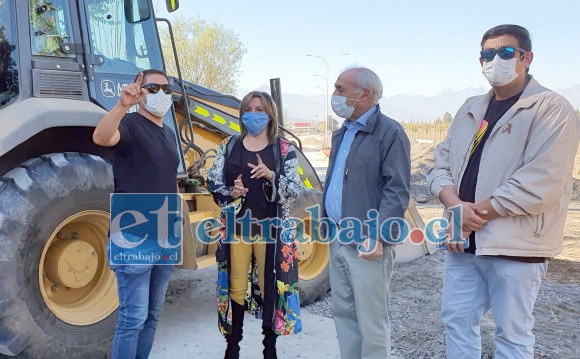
(132, 94)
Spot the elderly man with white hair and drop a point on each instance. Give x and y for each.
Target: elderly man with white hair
(369, 180)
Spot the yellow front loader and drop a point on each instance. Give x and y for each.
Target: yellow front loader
(63, 64)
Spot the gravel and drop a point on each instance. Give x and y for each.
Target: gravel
(417, 331)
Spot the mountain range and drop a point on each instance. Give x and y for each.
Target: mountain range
(403, 107)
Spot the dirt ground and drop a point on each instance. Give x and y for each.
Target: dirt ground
(416, 288)
(416, 301)
(422, 161)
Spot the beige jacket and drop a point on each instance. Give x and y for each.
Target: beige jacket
(526, 170)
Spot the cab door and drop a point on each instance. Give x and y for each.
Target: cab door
(121, 40)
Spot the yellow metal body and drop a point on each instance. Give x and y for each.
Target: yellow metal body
(71, 263)
(313, 258)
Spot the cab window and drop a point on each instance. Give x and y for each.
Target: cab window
(124, 33)
(9, 87)
(50, 26)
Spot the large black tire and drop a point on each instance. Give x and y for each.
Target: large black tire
(315, 288)
(35, 198)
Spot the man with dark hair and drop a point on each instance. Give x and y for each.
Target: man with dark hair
(507, 162)
(520, 33)
(146, 161)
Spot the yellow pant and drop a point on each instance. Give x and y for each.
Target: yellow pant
(241, 255)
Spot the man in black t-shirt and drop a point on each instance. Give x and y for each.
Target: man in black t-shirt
(145, 161)
(506, 167)
(495, 110)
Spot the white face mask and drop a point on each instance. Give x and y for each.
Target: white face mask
(500, 72)
(340, 107)
(158, 103)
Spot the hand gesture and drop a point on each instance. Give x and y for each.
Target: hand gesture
(239, 189)
(371, 253)
(260, 170)
(132, 94)
(456, 247)
(471, 215)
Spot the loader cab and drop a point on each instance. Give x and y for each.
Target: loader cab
(122, 41)
(84, 50)
(89, 49)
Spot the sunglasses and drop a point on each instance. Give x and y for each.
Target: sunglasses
(505, 53)
(154, 88)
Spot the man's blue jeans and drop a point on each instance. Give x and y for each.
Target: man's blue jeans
(141, 296)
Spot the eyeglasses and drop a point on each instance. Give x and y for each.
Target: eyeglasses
(505, 53)
(154, 88)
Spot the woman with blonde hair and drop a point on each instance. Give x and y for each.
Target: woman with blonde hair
(253, 179)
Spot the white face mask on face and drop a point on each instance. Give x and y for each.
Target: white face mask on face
(340, 107)
(158, 103)
(500, 72)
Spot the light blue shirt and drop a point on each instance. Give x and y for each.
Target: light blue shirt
(333, 199)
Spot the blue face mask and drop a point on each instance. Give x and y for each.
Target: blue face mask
(255, 122)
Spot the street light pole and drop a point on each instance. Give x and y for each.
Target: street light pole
(327, 86)
(325, 107)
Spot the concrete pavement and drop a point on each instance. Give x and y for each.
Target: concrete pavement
(188, 326)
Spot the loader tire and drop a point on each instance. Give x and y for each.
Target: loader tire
(57, 198)
(314, 280)
(315, 288)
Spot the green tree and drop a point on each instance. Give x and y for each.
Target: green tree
(209, 54)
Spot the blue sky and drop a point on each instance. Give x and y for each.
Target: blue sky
(415, 46)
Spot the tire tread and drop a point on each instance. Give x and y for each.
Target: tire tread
(37, 180)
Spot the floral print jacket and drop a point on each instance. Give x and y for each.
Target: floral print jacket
(280, 308)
